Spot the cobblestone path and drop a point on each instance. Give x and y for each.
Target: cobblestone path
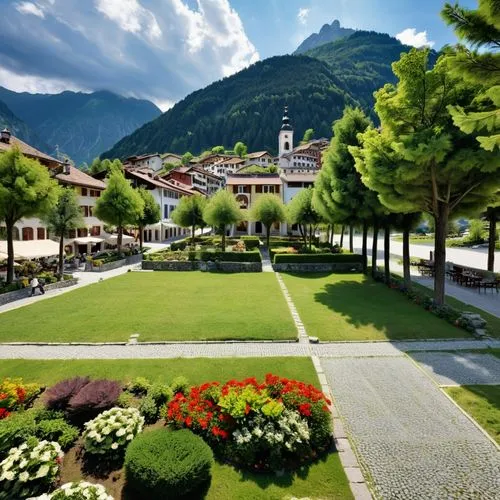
(412, 440)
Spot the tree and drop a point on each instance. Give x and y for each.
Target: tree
(308, 135)
(419, 161)
(268, 209)
(61, 218)
(492, 215)
(105, 165)
(221, 211)
(301, 211)
(26, 190)
(218, 150)
(189, 213)
(186, 158)
(479, 29)
(119, 205)
(150, 214)
(339, 195)
(240, 149)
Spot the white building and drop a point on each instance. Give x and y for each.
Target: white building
(153, 161)
(260, 158)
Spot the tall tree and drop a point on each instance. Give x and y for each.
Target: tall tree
(26, 190)
(119, 205)
(189, 213)
(478, 61)
(218, 150)
(492, 215)
(222, 210)
(420, 161)
(340, 195)
(268, 209)
(186, 158)
(150, 214)
(61, 218)
(105, 165)
(240, 149)
(302, 212)
(308, 136)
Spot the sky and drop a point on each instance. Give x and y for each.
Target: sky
(162, 50)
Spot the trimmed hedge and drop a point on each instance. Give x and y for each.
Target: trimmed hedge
(317, 258)
(251, 242)
(252, 256)
(167, 464)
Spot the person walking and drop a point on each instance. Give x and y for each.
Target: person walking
(34, 285)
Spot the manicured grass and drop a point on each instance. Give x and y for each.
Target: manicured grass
(158, 306)
(481, 402)
(325, 479)
(196, 370)
(354, 307)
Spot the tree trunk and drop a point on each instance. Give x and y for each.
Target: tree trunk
(351, 238)
(406, 257)
(364, 252)
(119, 240)
(328, 233)
(310, 236)
(223, 242)
(193, 229)
(342, 236)
(387, 254)
(374, 249)
(10, 251)
(61, 256)
(441, 230)
(332, 234)
(141, 237)
(492, 240)
(303, 233)
(268, 235)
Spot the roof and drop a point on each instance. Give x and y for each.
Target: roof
(258, 179)
(79, 178)
(201, 170)
(135, 158)
(164, 155)
(28, 150)
(258, 154)
(231, 161)
(305, 177)
(214, 156)
(160, 182)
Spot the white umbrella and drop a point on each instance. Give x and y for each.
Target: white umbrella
(113, 239)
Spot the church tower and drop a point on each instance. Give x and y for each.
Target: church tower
(285, 140)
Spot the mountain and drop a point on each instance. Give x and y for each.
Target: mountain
(328, 33)
(247, 106)
(20, 129)
(77, 124)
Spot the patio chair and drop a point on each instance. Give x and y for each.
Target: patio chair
(493, 284)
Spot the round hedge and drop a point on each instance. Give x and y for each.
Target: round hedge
(167, 464)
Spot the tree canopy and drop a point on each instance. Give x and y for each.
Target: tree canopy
(300, 210)
(189, 213)
(221, 211)
(150, 214)
(268, 209)
(240, 149)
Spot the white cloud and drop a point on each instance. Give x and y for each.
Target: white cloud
(131, 16)
(409, 36)
(302, 15)
(30, 8)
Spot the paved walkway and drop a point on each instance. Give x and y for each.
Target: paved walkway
(410, 438)
(267, 267)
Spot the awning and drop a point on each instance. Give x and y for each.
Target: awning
(88, 239)
(112, 239)
(32, 249)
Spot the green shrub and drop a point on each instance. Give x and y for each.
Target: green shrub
(139, 386)
(179, 245)
(319, 258)
(215, 256)
(161, 393)
(168, 464)
(57, 430)
(127, 400)
(149, 410)
(180, 384)
(251, 242)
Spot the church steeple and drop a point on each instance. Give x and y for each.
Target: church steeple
(286, 121)
(285, 139)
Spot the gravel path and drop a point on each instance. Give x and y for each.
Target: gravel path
(412, 439)
(460, 369)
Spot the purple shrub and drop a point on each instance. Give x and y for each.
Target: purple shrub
(94, 397)
(57, 397)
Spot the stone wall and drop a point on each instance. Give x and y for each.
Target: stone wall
(127, 261)
(225, 267)
(6, 298)
(338, 267)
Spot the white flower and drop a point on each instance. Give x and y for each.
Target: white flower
(114, 446)
(23, 463)
(7, 476)
(42, 471)
(120, 432)
(23, 477)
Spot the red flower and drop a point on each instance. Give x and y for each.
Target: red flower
(305, 409)
(203, 423)
(188, 421)
(3, 395)
(4, 413)
(247, 409)
(21, 394)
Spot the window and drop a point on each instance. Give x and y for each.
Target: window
(295, 184)
(258, 227)
(72, 233)
(268, 189)
(84, 191)
(241, 189)
(27, 233)
(172, 208)
(95, 231)
(85, 211)
(82, 232)
(90, 211)
(287, 146)
(165, 211)
(40, 233)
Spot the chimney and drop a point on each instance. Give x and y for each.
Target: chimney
(5, 136)
(66, 167)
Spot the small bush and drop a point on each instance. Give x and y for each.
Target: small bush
(180, 384)
(78, 491)
(161, 461)
(179, 245)
(16, 395)
(94, 397)
(216, 256)
(251, 242)
(350, 258)
(128, 400)
(139, 386)
(149, 410)
(57, 397)
(161, 393)
(57, 430)
(111, 431)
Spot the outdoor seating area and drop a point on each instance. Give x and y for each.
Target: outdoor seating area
(473, 278)
(426, 268)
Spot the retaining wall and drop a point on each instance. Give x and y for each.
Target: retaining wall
(226, 267)
(6, 298)
(330, 267)
(127, 261)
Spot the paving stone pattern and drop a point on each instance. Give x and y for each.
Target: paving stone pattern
(414, 441)
(460, 369)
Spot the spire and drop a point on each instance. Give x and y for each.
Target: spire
(286, 121)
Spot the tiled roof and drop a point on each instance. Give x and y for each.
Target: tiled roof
(161, 183)
(260, 179)
(258, 154)
(28, 150)
(231, 161)
(79, 178)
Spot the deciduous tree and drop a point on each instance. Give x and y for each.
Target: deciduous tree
(268, 209)
(189, 213)
(301, 211)
(221, 211)
(26, 190)
(240, 149)
(151, 213)
(186, 158)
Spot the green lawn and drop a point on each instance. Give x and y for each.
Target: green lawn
(354, 307)
(481, 402)
(325, 479)
(158, 306)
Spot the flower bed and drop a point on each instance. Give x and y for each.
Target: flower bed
(15, 395)
(273, 425)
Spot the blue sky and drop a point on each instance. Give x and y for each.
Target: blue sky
(164, 49)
